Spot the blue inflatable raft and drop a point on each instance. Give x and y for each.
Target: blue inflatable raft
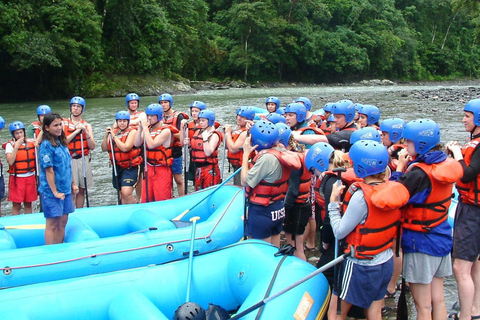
(109, 238)
(234, 278)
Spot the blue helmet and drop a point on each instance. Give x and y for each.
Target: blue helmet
(264, 134)
(276, 118)
(318, 156)
(473, 106)
(274, 100)
(306, 102)
(246, 112)
(358, 106)
(394, 127)
(16, 125)
(208, 114)
(2, 123)
(345, 107)
(372, 113)
(367, 133)
(297, 108)
(131, 96)
(280, 111)
(328, 107)
(424, 133)
(78, 100)
(198, 104)
(368, 157)
(122, 115)
(154, 109)
(331, 118)
(43, 110)
(166, 97)
(284, 133)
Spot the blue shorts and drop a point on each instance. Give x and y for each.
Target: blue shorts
(55, 208)
(361, 285)
(177, 165)
(2, 188)
(127, 177)
(265, 221)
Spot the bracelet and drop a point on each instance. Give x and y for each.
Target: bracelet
(55, 194)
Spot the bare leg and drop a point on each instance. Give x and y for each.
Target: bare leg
(439, 309)
(127, 195)
(332, 308)
(51, 226)
(60, 232)
(466, 287)
(138, 189)
(180, 183)
(310, 233)
(397, 269)
(80, 198)
(422, 295)
(27, 207)
(16, 208)
(374, 312)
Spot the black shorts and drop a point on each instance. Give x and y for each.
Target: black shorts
(466, 234)
(296, 218)
(127, 177)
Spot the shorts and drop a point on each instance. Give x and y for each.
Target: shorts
(160, 184)
(362, 285)
(22, 189)
(466, 233)
(296, 218)
(77, 172)
(177, 165)
(421, 268)
(207, 176)
(128, 177)
(265, 221)
(54, 207)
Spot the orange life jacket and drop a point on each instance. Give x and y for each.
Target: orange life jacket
(423, 217)
(161, 156)
(127, 159)
(314, 129)
(235, 159)
(265, 193)
(393, 153)
(25, 158)
(376, 233)
(75, 146)
(134, 116)
(172, 121)
(469, 192)
(37, 127)
(198, 154)
(305, 182)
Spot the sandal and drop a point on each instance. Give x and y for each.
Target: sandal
(453, 315)
(305, 248)
(389, 295)
(475, 317)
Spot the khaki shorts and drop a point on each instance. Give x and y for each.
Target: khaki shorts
(77, 172)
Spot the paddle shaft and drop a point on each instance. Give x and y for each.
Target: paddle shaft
(37, 171)
(145, 175)
(222, 170)
(190, 257)
(214, 190)
(336, 271)
(186, 162)
(290, 287)
(119, 199)
(84, 169)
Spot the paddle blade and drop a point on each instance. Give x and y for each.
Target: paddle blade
(402, 310)
(25, 226)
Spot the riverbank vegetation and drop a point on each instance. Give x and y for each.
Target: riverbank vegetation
(58, 48)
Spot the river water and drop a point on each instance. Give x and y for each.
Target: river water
(393, 101)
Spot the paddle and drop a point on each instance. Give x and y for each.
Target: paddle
(119, 199)
(190, 257)
(335, 270)
(223, 157)
(402, 309)
(24, 227)
(185, 163)
(145, 175)
(84, 170)
(37, 173)
(293, 285)
(181, 215)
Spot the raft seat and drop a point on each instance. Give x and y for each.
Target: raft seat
(77, 231)
(6, 241)
(145, 220)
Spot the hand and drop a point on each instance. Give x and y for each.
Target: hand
(247, 145)
(109, 130)
(228, 129)
(74, 188)
(249, 124)
(454, 148)
(59, 195)
(19, 142)
(183, 123)
(403, 159)
(143, 123)
(336, 192)
(80, 126)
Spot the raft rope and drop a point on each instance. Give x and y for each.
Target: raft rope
(207, 237)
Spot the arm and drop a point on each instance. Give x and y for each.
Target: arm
(247, 149)
(161, 139)
(106, 142)
(234, 147)
(210, 144)
(139, 136)
(308, 138)
(11, 156)
(89, 135)
(127, 145)
(50, 174)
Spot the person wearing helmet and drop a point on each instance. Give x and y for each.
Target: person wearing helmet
(325, 124)
(158, 139)
(21, 158)
(368, 116)
(132, 100)
(391, 133)
(466, 265)
(56, 179)
(344, 113)
(234, 139)
(266, 181)
(77, 131)
(34, 130)
(370, 221)
(309, 118)
(275, 118)
(429, 175)
(204, 145)
(272, 104)
(128, 158)
(174, 119)
(2, 179)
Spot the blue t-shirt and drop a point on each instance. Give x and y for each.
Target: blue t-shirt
(59, 158)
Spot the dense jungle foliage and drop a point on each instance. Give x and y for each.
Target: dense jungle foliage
(56, 48)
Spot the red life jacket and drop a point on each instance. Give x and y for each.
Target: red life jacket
(161, 156)
(25, 158)
(75, 146)
(198, 154)
(314, 129)
(265, 193)
(305, 182)
(376, 233)
(469, 192)
(172, 121)
(37, 127)
(422, 217)
(235, 159)
(127, 159)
